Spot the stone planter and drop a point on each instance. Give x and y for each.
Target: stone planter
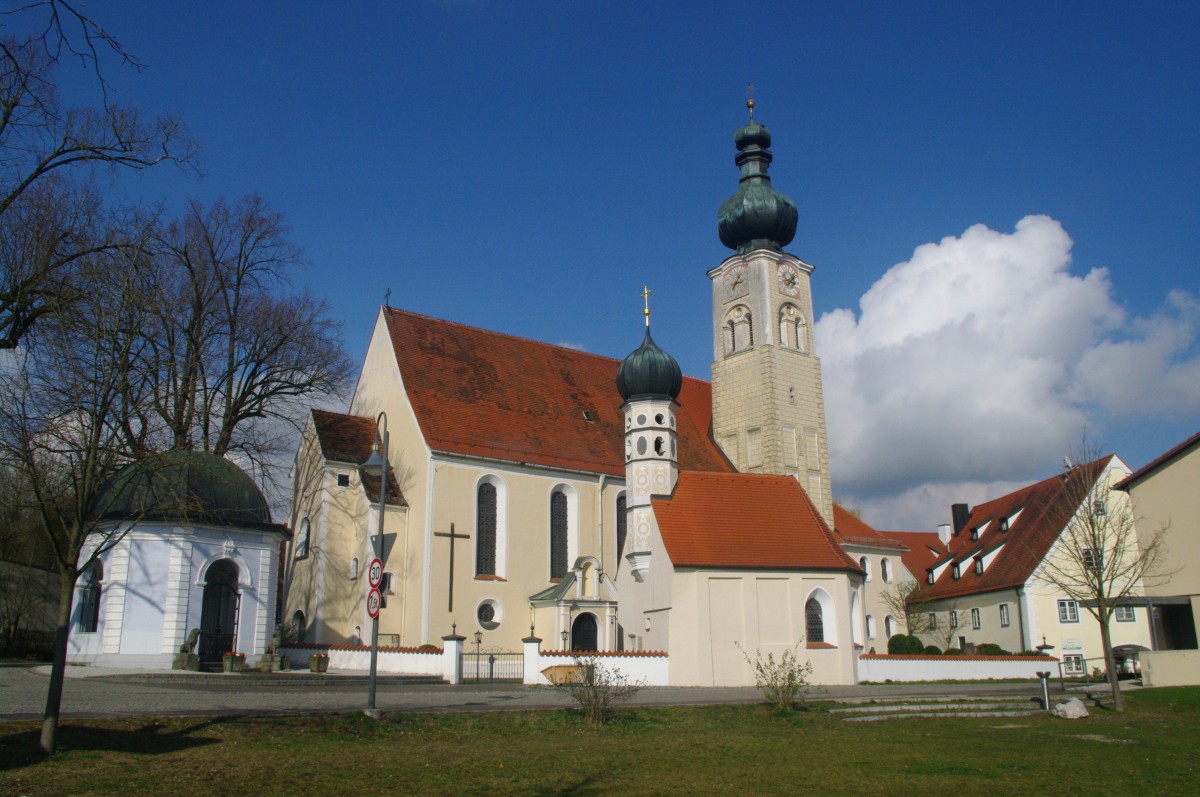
(234, 663)
(318, 663)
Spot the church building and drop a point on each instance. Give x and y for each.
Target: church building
(596, 504)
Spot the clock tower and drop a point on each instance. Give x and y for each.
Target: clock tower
(768, 404)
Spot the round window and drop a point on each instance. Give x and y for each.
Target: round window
(488, 615)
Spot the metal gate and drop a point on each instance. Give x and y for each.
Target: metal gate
(488, 666)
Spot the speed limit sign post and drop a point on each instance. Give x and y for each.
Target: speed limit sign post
(375, 573)
(373, 598)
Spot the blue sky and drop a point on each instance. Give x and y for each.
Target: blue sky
(528, 166)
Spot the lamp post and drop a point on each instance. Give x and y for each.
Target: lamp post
(565, 635)
(377, 465)
(478, 642)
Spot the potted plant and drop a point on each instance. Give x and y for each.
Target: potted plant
(234, 661)
(318, 662)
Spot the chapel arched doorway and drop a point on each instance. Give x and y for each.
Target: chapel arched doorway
(583, 632)
(219, 610)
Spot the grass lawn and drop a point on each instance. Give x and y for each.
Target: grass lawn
(1150, 749)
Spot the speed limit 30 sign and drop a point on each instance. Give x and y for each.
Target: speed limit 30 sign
(375, 573)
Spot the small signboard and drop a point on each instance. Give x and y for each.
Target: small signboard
(375, 573)
(373, 598)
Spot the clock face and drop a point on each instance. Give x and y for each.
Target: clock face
(789, 280)
(735, 280)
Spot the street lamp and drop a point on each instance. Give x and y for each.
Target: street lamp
(478, 642)
(565, 635)
(377, 465)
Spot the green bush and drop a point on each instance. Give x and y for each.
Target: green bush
(991, 649)
(951, 652)
(932, 650)
(784, 682)
(905, 645)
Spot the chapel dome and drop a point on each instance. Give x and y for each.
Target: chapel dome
(649, 372)
(184, 485)
(756, 216)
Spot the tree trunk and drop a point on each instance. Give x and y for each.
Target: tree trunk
(1110, 665)
(58, 666)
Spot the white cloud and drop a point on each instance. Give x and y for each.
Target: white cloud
(981, 356)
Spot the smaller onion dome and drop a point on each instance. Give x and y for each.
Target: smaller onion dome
(756, 216)
(649, 372)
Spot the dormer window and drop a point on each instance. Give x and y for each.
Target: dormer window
(957, 571)
(979, 566)
(1004, 525)
(974, 533)
(588, 416)
(930, 578)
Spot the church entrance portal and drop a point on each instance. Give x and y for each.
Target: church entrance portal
(219, 611)
(583, 633)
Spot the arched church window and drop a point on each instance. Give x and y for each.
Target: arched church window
(814, 622)
(738, 330)
(885, 570)
(889, 626)
(870, 627)
(485, 530)
(622, 525)
(793, 332)
(865, 564)
(89, 598)
(558, 534)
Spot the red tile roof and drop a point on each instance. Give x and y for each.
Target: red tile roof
(348, 438)
(851, 530)
(482, 393)
(924, 549)
(1044, 508)
(1157, 463)
(738, 520)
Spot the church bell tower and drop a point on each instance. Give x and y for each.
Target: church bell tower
(768, 403)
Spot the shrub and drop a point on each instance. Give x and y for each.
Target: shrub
(991, 649)
(901, 644)
(932, 650)
(951, 652)
(784, 683)
(598, 690)
(1030, 653)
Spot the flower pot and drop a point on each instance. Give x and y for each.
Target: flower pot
(234, 663)
(318, 663)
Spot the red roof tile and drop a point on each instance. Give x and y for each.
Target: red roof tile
(852, 530)
(924, 549)
(482, 393)
(738, 520)
(1157, 463)
(1043, 506)
(348, 438)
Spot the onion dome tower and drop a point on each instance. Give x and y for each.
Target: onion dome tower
(756, 216)
(649, 380)
(768, 402)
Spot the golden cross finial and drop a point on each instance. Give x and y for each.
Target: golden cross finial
(646, 299)
(750, 99)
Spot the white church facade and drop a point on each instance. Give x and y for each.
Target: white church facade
(541, 492)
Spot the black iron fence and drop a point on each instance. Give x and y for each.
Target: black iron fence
(485, 667)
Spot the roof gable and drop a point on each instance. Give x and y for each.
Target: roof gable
(922, 550)
(736, 520)
(487, 394)
(348, 438)
(1158, 462)
(852, 530)
(1043, 508)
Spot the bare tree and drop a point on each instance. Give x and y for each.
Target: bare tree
(229, 354)
(47, 210)
(1098, 559)
(906, 599)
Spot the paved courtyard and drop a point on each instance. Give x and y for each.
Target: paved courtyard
(99, 692)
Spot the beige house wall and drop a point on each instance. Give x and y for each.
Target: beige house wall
(872, 602)
(991, 628)
(718, 616)
(1169, 499)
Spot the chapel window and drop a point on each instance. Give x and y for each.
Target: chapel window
(302, 539)
(622, 525)
(89, 598)
(558, 534)
(485, 530)
(738, 330)
(814, 622)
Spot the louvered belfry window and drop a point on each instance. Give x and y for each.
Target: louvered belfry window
(485, 531)
(814, 623)
(621, 526)
(558, 535)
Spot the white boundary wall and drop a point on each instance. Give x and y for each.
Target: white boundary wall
(952, 668)
(649, 668)
(354, 657)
